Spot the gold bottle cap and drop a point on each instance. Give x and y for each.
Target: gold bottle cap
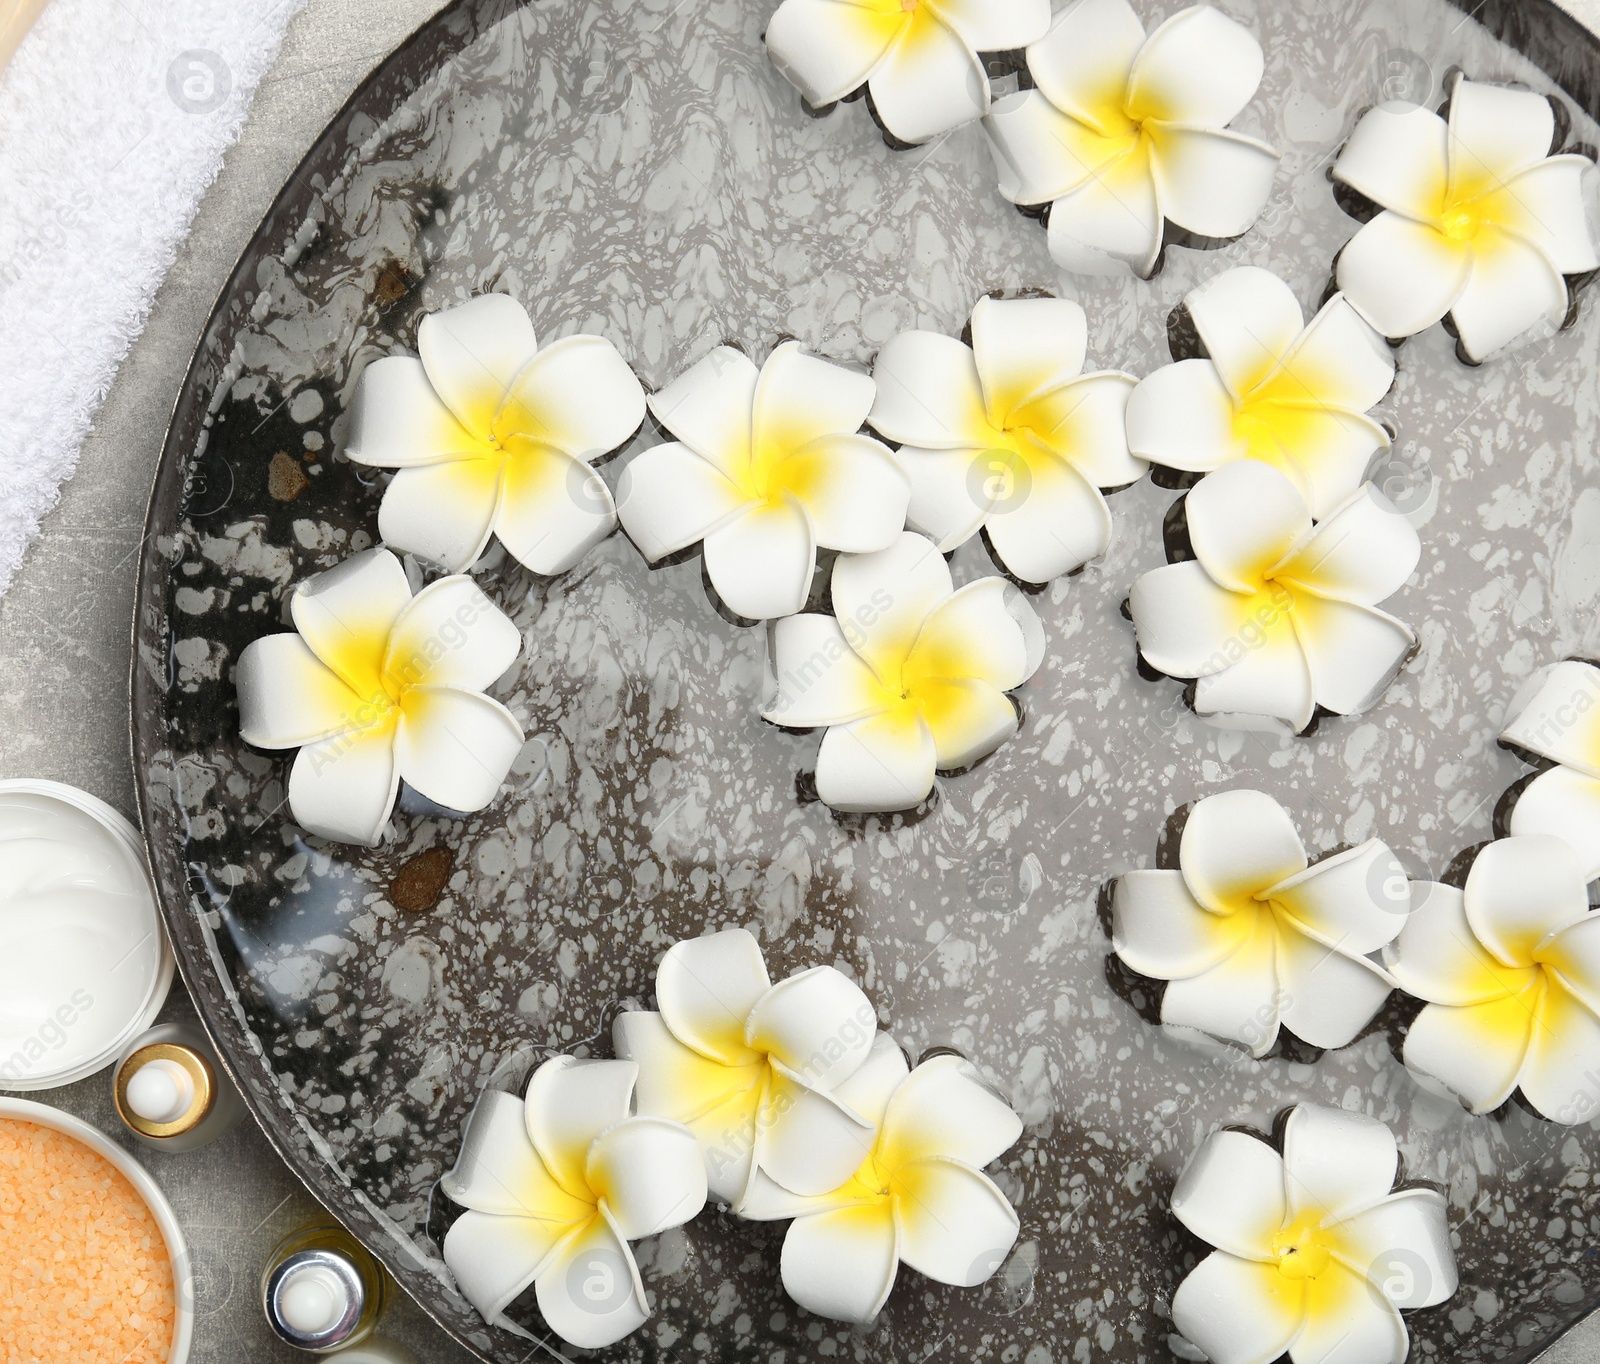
(165, 1090)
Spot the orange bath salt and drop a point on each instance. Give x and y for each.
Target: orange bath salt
(84, 1271)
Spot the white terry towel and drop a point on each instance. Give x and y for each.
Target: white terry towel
(114, 117)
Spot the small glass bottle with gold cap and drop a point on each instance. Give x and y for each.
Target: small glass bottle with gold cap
(322, 1290)
(170, 1091)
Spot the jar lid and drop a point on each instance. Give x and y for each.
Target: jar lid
(314, 1299)
(164, 1089)
(84, 961)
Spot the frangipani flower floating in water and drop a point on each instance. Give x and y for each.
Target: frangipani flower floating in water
(1510, 968)
(1315, 1256)
(374, 686)
(493, 436)
(555, 1186)
(1251, 938)
(1561, 722)
(1123, 134)
(769, 465)
(1479, 220)
(918, 59)
(1270, 389)
(764, 1075)
(908, 675)
(1275, 616)
(1008, 435)
(919, 1198)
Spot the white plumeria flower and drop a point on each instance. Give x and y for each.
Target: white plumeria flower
(1479, 220)
(769, 465)
(1271, 389)
(917, 58)
(1510, 968)
(1275, 616)
(1315, 1256)
(493, 436)
(919, 1198)
(760, 1073)
(1561, 722)
(1252, 938)
(1122, 134)
(1008, 434)
(555, 1186)
(908, 675)
(374, 686)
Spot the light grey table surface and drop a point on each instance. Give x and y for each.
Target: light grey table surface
(64, 641)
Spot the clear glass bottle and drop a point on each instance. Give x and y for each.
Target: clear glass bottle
(171, 1092)
(321, 1290)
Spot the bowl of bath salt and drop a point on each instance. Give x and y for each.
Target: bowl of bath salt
(94, 1267)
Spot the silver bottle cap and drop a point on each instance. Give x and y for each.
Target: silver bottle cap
(314, 1299)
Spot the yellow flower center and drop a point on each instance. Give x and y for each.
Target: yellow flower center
(1302, 1248)
(1460, 224)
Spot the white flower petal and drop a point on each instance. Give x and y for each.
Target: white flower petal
(1403, 276)
(1235, 845)
(1162, 931)
(1239, 1311)
(1083, 63)
(1339, 360)
(288, 697)
(996, 25)
(968, 718)
(553, 509)
(1336, 1163)
(346, 614)
(452, 635)
(1238, 999)
(668, 498)
(952, 490)
(1025, 346)
(1329, 995)
(498, 1171)
(762, 559)
(650, 1173)
(1243, 520)
(571, 1102)
(1561, 721)
(1085, 422)
(1545, 205)
(1512, 288)
(821, 679)
(1562, 802)
(494, 1258)
(1521, 890)
(1495, 132)
(1060, 525)
(675, 1081)
(1358, 899)
(972, 634)
(456, 747)
(1402, 1246)
(1364, 552)
(1350, 1322)
(1398, 156)
(817, 1024)
(928, 82)
(842, 1264)
(1249, 320)
(1561, 1075)
(727, 1135)
(1271, 682)
(1210, 181)
(801, 398)
(343, 788)
(828, 48)
(473, 351)
(878, 765)
(706, 988)
(765, 1200)
(929, 394)
(855, 492)
(579, 395)
(1182, 416)
(1438, 958)
(868, 1091)
(809, 1143)
(955, 1226)
(709, 408)
(1113, 221)
(1353, 652)
(944, 1109)
(1324, 451)
(1198, 67)
(1231, 1195)
(443, 512)
(1186, 625)
(397, 420)
(889, 595)
(1040, 153)
(590, 1293)
(1476, 1051)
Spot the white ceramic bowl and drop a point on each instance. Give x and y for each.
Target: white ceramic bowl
(24, 1110)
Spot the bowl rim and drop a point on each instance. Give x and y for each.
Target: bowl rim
(44, 1115)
